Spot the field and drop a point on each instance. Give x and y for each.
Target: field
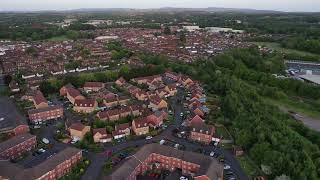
(277, 47)
(59, 38)
(302, 106)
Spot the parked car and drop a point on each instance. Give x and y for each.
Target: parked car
(45, 140)
(212, 153)
(226, 167)
(148, 137)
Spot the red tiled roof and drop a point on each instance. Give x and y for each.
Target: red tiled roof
(39, 98)
(77, 126)
(196, 120)
(140, 122)
(102, 131)
(85, 102)
(93, 85)
(73, 92)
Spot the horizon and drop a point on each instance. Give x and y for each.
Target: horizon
(60, 5)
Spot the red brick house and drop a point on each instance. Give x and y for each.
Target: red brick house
(44, 114)
(159, 157)
(39, 100)
(17, 146)
(100, 136)
(156, 119)
(85, 105)
(50, 169)
(202, 133)
(121, 130)
(140, 126)
(93, 86)
(121, 81)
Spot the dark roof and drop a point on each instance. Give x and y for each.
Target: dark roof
(16, 172)
(77, 126)
(45, 109)
(11, 117)
(208, 166)
(102, 131)
(14, 141)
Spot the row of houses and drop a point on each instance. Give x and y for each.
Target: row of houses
(139, 126)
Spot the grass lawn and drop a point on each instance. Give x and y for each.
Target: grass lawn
(248, 166)
(221, 131)
(300, 106)
(277, 47)
(59, 38)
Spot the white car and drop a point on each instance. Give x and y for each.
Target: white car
(45, 140)
(148, 137)
(226, 167)
(212, 154)
(181, 114)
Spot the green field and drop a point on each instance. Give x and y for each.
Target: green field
(59, 38)
(277, 47)
(305, 107)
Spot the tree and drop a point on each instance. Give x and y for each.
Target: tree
(74, 35)
(167, 30)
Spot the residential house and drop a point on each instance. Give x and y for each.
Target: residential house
(110, 102)
(202, 133)
(156, 119)
(156, 103)
(121, 130)
(120, 82)
(78, 131)
(39, 100)
(109, 115)
(100, 136)
(93, 86)
(45, 114)
(17, 146)
(171, 89)
(123, 100)
(140, 126)
(85, 105)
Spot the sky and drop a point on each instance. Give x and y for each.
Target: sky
(280, 5)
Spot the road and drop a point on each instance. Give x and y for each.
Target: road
(94, 170)
(312, 123)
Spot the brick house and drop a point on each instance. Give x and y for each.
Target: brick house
(39, 100)
(156, 119)
(93, 86)
(156, 103)
(78, 131)
(141, 95)
(100, 136)
(110, 102)
(123, 100)
(121, 130)
(202, 133)
(44, 114)
(159, 157)
(110, 115)
(120, 82)
(85, 105)
(17, 146)
(140, 126)
(50, 169)
(72, 94)
(171, 89)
